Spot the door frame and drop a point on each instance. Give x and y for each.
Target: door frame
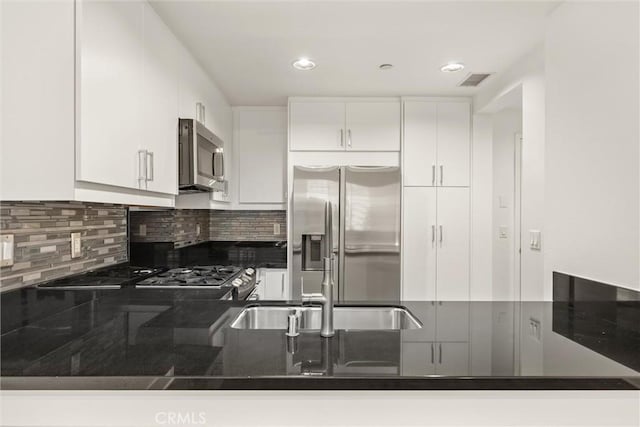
(517, 247)
(517, 217)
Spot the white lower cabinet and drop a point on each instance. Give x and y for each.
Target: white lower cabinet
(274, 284)
(436, 244)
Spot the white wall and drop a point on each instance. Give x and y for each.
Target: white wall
(593, 155)
(527, 73)
(481, 282)
(506, 124)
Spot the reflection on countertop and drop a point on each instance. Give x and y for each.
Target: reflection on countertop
(182, 339)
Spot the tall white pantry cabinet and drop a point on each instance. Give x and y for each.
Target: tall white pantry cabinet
(436, 199)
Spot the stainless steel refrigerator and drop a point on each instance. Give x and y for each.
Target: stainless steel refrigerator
(366, 230)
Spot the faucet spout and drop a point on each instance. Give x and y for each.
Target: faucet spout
(325, 298)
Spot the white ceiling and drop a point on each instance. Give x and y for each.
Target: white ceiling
(247, 47)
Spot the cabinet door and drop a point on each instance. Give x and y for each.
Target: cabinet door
(418, 358)
(261, 149)
(419, 244)
(276, 285)
(110, 74)
(160, 113)
(453, 144)
(189, 85)
(453, 244)
(452, 321)
(452, 358)
(420, 142)
(373, 126)
(317, 126)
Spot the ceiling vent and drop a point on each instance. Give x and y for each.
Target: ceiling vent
(473, 80)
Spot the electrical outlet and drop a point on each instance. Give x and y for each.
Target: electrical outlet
(276, 229)
(197, 229)
(142, 230)
(76, 245)
(504, 232)
(7, 250)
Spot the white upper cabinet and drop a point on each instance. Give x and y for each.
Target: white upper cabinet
(316, 125)
(454, 138)
(128, 85)
(260, 145)
(437, 140)
(111, 72)
(373, 126)
(160, 111)
(420, 137)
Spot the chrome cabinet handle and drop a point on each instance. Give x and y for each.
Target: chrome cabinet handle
(441, 236)
(432, 354)
(433, 174)
(142, 165)
(441, 174)
(433, 234)
(341, 137)
(149, 171)
(440, 353)
(349, 138)
(282, 285)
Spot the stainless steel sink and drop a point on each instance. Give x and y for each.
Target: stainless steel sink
(345, 317)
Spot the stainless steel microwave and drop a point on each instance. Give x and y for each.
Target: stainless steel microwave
(200, 158)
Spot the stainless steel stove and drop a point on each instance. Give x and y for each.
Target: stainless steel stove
(204, 276)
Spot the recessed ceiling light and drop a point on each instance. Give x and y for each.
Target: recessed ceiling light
(452, 67)
(304, 64)
(385, 66)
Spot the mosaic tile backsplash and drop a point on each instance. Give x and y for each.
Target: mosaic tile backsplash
(183, 227)
(42, 240)
(247, 225)
(179, 226)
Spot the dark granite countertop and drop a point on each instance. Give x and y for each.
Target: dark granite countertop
(181, 339)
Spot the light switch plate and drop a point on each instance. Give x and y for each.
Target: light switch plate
(142, 230)
(76, 245)
(535, 240)
(6, 258)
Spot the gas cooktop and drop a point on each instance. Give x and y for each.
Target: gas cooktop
(210, 275)
(113, 277)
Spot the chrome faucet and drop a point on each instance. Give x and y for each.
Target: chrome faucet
(325, 298)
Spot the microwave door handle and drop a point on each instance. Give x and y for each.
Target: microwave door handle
(217, 173)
